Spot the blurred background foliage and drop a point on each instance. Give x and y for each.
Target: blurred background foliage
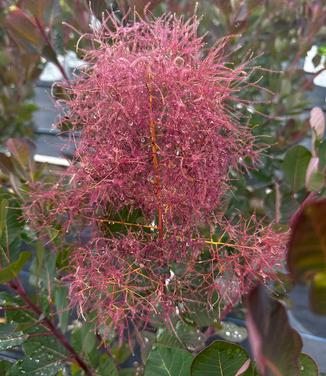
(276, 36)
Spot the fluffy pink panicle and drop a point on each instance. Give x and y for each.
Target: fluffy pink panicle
(149, 93)
(158, 139)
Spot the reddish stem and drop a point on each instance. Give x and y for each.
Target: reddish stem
(18, 287)
(49, 44)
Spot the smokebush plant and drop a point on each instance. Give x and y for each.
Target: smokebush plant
(138, 233)
(158, 138)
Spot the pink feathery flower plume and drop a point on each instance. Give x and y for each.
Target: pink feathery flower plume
(158, 138)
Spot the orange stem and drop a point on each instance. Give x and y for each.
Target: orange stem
(110, 221)
(154, 155)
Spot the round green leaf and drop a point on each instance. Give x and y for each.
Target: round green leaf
(167, 361)
(219, 359)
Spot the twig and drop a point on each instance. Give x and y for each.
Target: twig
(278, 202)
(49, 44)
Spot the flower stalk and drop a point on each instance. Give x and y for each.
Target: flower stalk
(152, 128)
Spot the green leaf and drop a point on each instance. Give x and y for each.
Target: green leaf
(61, 302)
(83, 338)
(45, 344)
(188, 336)
(127, 372)
(107, 367)
(308, 367)
(295, 165)
(316, 181)
(166, 338)
(219, 359)
(4, 367)
(287, 209)
(322, 50)
(11, 271)
(3, 216)
(12, 224)
(9, 338)
(12, 341)
(44, 356)
(321, 148)
(167, 361)
(38, 363)
(307, 252)
(276, 346)
(121, 353)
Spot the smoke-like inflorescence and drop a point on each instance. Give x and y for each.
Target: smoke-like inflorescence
(143, 198)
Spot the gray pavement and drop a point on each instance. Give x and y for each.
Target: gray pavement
(47, 140)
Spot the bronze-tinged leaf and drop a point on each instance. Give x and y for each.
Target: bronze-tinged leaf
(22, 150)
(37, 8)
(23, 30)
(307, 245)
(275, 345)
(6, 165)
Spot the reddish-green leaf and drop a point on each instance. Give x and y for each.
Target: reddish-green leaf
(6, 165)
(307, 246)
(23, 30)
(22, 151)
(307, 252)
(37, 8)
